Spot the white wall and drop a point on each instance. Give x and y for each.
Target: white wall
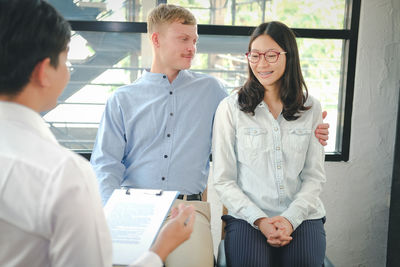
(357, 192)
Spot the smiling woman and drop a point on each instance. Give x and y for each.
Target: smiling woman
(269, 68)
(278, 81)
(271, 189)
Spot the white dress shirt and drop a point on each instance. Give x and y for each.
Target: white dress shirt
(264, 167)
(50, 207)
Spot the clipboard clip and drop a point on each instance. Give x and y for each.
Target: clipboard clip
(149, 192)
(158, 193)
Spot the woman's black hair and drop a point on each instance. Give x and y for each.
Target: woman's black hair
(30, 31)
(292, 83)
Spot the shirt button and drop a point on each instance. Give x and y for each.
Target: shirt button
(163, 178)
(275, 129)
(281, 187)
(279, 166)
(278, 148)
(165, 156)
(168, 135)
(164, 76)
(171, 114)
(170, 92)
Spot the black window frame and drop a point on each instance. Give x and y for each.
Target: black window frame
(348, 35)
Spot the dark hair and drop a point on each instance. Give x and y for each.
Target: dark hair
(30, 31)
(291, 91)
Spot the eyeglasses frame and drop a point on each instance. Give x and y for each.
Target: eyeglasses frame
(265, 55)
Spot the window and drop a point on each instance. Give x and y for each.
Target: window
(102, 10)
(296, 14)
(109, 48)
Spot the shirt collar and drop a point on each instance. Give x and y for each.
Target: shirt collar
(159, 77)
(146, 74)
(28, 118)
(262, 104)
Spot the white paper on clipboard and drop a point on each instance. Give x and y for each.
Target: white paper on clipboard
(134, 217)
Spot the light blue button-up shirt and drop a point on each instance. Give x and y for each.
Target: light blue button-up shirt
(265, 167)
(156, 134)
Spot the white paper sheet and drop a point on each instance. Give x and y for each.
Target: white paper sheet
(134, 220)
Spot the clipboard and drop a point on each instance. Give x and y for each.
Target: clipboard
(134, 217)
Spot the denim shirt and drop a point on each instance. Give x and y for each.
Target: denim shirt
(156, 134)
(264, 167)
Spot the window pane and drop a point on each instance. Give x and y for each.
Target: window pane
(104, 10)
(99, 63)
(102, 62)
(321, 62)
(294, 13)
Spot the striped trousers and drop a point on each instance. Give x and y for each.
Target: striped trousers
(246, 246)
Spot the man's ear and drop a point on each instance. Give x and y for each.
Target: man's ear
(40, 74)
(155, 39)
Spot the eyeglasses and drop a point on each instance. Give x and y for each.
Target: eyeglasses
(270, 56)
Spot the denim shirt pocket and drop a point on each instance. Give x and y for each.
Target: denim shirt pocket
(251, 144)
(253, 137)
(299, 139)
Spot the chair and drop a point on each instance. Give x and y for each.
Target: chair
(221, 258)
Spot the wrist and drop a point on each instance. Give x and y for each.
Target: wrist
(161, 252)
(288, 222)
(258, 222)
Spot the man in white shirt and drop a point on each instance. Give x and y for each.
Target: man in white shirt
(50, 208)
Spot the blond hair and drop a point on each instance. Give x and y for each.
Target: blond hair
(167, 13)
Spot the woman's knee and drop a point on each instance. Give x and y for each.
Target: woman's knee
(245, 245)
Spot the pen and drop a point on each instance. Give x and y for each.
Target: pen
(186, 221)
